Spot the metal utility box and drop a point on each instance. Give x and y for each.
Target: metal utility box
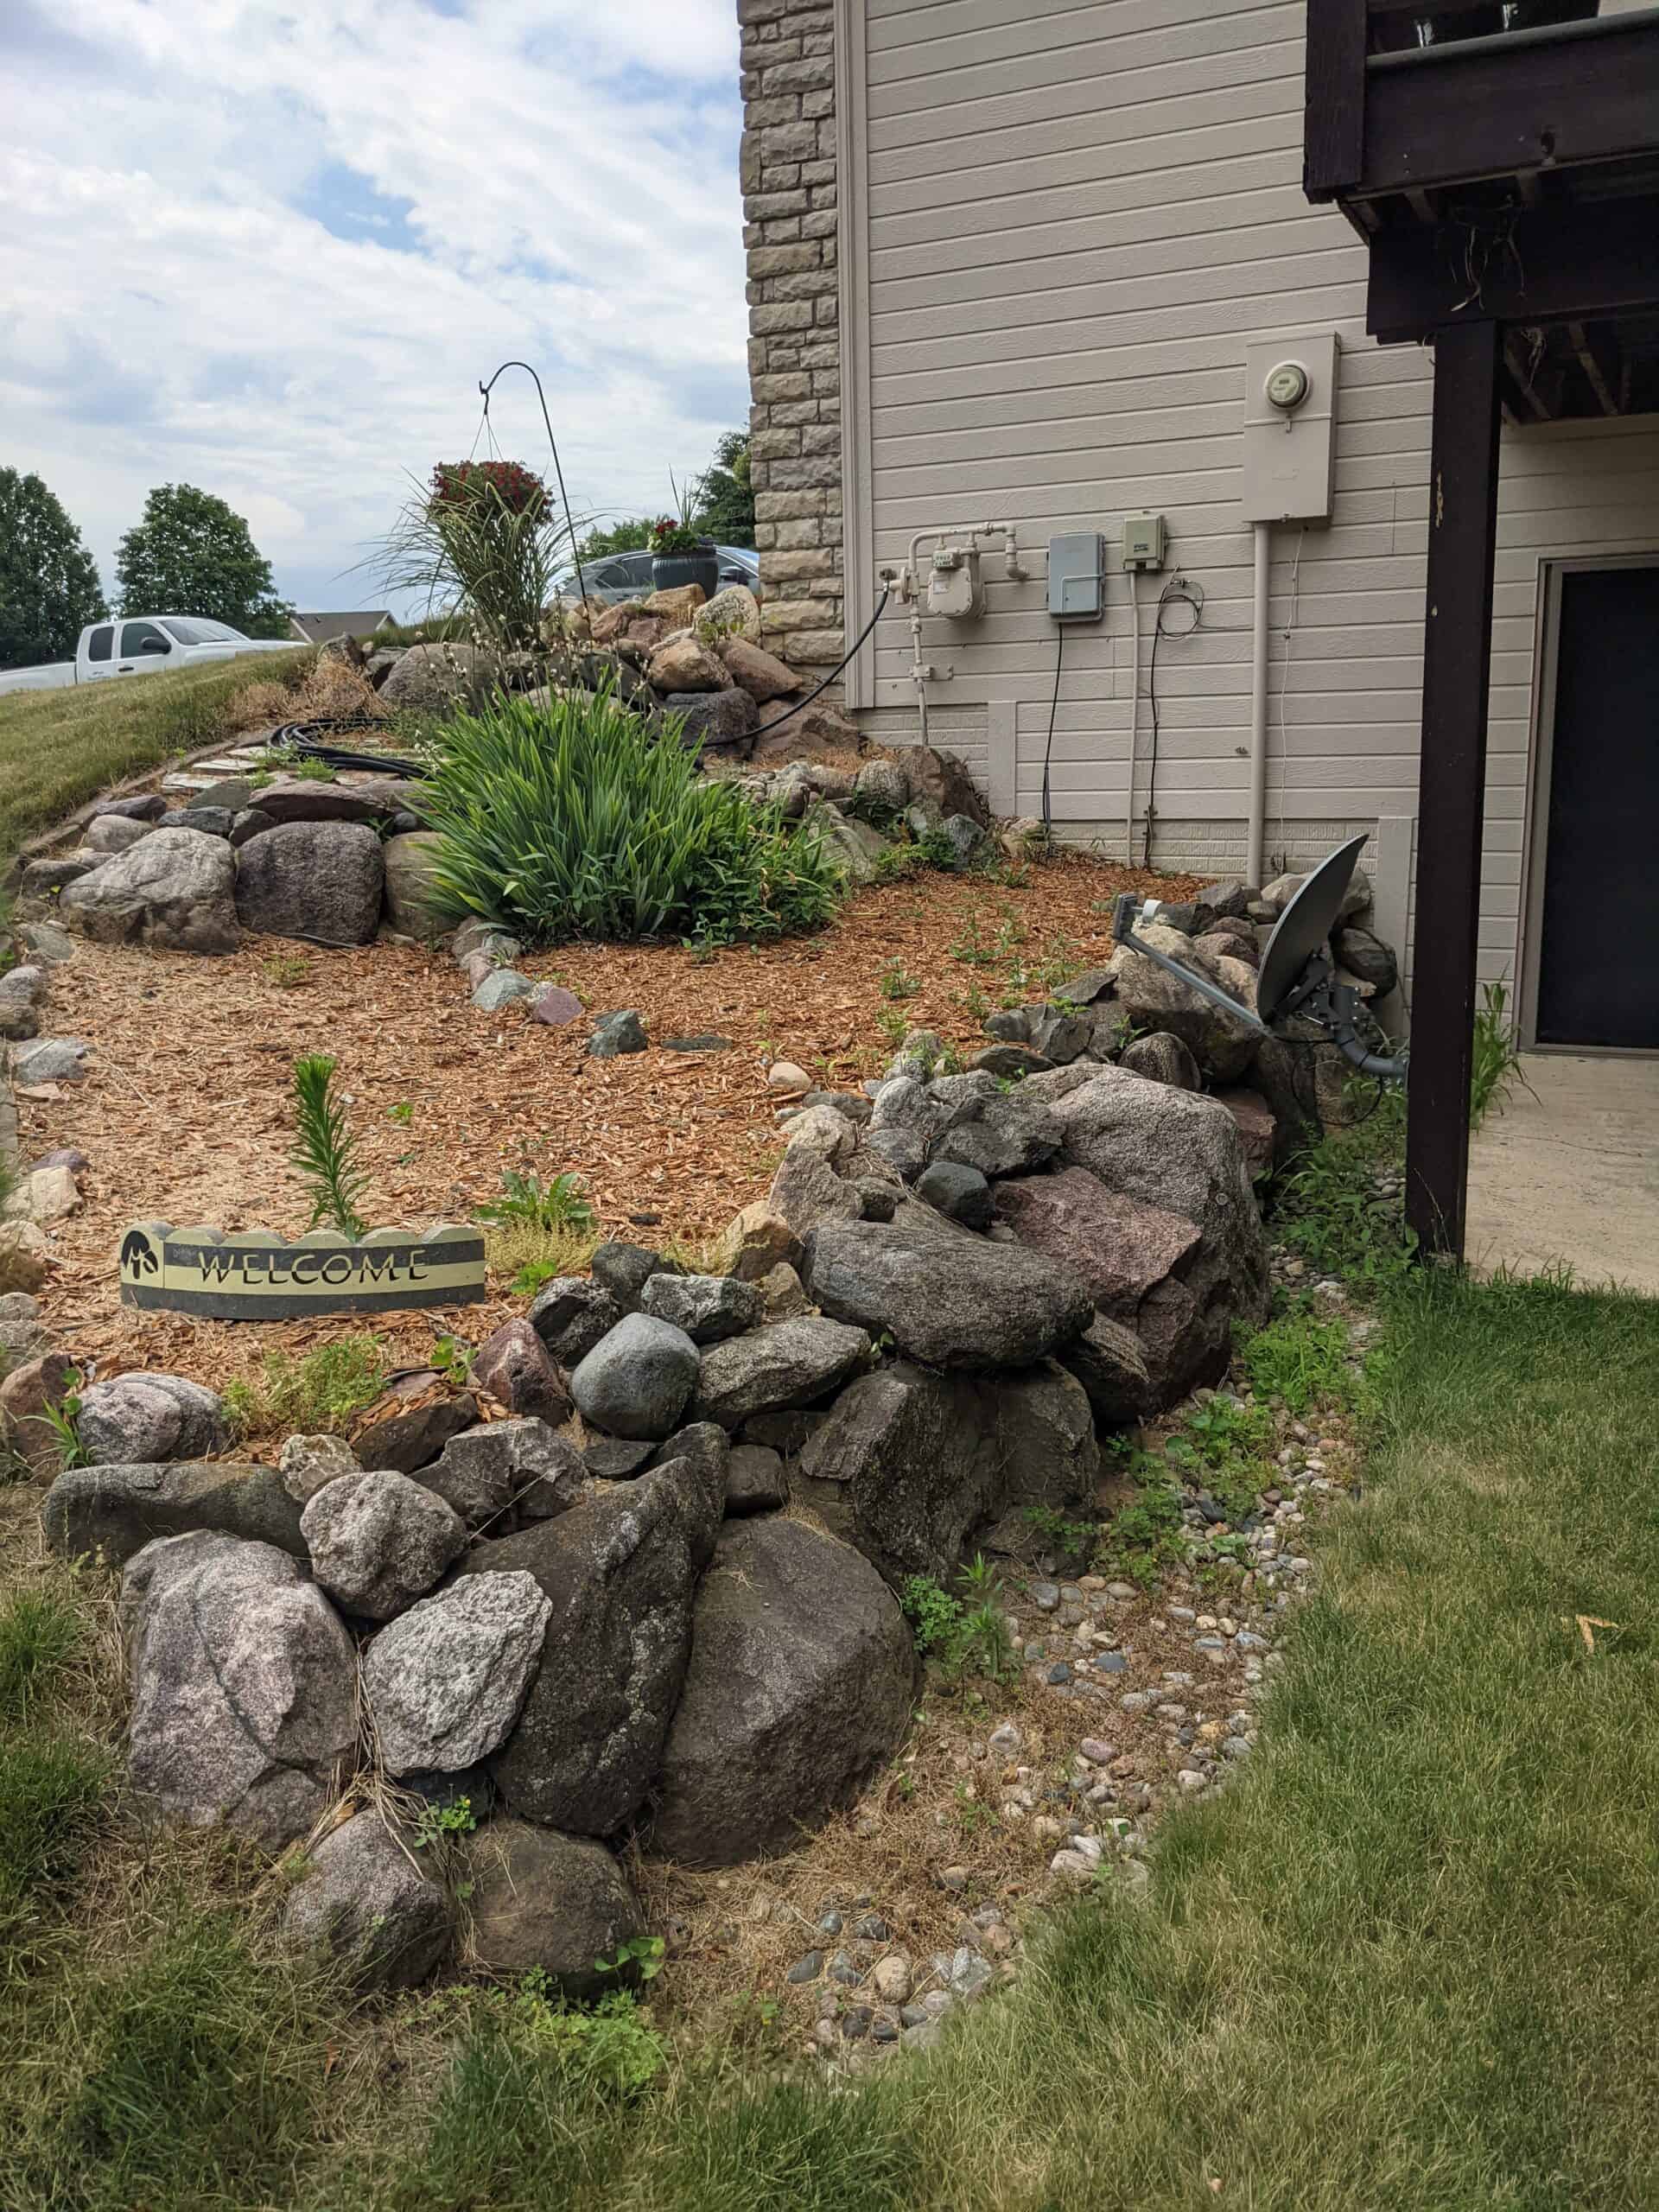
(1143, 541)
(1290, 428)
(1076, 576)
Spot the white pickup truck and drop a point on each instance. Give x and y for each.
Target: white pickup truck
(141, 645)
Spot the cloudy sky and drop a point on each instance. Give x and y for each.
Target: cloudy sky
(271, 249)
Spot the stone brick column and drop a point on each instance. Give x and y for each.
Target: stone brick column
(790, 220)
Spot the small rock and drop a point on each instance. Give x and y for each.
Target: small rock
(407, 1441)
(617, 1033)
(307, 1463)
(624, 1270)
(705, 1040)
(151, 1417)
(783, 1075)
(551, 1903)
(515, 1367)
(506, 1464)
(553, 1006)
(51, 1059)
(755, 1481)
(500, 988)
(807, 1968)
(709, 1308)
(571, 1315)
(892, 1979)
(959, 1192)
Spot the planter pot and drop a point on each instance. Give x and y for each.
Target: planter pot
(670, 570)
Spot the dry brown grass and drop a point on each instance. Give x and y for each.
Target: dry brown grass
(332, 688)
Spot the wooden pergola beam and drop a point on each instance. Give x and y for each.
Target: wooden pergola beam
(1601, 375)
(1566, 261)
(1452, 780)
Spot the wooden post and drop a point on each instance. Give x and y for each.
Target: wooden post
(1452, 776)
(1333, 127)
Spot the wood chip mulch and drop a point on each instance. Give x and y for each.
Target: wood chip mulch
(186, 1115)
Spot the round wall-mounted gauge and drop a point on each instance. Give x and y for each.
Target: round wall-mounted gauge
(1287, 385)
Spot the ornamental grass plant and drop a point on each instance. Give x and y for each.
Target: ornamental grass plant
(574, 818)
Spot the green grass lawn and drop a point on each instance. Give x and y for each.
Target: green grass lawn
(1407, 1962)
(58, 749)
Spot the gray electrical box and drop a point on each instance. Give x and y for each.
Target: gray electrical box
(1076, 576)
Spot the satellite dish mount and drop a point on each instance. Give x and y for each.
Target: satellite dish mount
(1297, 974)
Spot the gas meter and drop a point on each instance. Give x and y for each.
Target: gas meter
(954, 584)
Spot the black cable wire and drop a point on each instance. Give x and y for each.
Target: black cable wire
(1177, 587)
(800, 705)
(1059, 651)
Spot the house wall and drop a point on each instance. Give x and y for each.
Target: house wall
(1060, 225)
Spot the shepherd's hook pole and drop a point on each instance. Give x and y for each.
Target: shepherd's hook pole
(486, 389)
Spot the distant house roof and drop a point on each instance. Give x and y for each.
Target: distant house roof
(318, 629)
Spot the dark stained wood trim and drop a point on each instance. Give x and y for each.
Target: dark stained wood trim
(1566, 261)
(1333, 139)
(1452, 785)
(1495, 110)
(1600, 370)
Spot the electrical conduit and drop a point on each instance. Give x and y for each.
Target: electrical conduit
(1256, 838)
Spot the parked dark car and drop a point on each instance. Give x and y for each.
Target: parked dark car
(627, 575)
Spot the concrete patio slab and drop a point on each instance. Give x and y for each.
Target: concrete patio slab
(1568, 1173)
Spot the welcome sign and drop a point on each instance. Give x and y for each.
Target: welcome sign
(257, 1276)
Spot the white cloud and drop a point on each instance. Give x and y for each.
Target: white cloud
(271, 249)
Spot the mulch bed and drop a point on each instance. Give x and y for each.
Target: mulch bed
(187, 1114)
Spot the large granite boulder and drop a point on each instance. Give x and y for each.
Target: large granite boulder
(319, 880)
(543, 1903)
(1117, 1248)
(380, 1540)
(787, 1364)
(432, 679)
(175, 892)
(244, 1686)
(364, 1903)
(709, 1308)
(620, 1572)
(760, 673)
(684, 663)
(142, 1416)
(945, 1296)
(446, 1681)
(711, 719)
(112, 1512)
(800, 1684)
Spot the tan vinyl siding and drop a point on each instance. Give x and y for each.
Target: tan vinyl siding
(1079, 215)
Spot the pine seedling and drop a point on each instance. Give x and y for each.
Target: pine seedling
(325, 1151)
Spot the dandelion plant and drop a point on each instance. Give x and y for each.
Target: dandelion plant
(325, 1153)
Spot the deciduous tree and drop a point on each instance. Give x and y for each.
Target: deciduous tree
(49, 581)
(191, 554)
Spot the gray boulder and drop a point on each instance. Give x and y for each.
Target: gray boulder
(806, 1190)
(916, 1460)
(501, 986)
(620, 1572)
(1045, 1429)
(636, 1381)
(1060, 1032)
(447, 1680)
(613, 1033)
(307, 1463)
(756, 1480)
(1109, 1361)
(959, 1192)
(51, 1059)
(175, 892)
(543, 1903)
(112, 1512)
(414, 903)
(430, 679)
(521, 1465)
(709, 1308)
(320, 881)
(1162, 1057)
(852, 845)
(22, 991)
(712, 718)
(787, 1364)
(364, 1903)
(210, 821)
(624, 1270)
(380, 1540)
(942, 780)
(1367, 959)
(411, 1440)
(146, 806)
(570, 1315)
(800, 1684)
(22, 1333)
(1011, 1134)
(150, 1417)
(1228, 899)
(946, 1297)
(698, 1458)
(244, 1687)
(519, 1372)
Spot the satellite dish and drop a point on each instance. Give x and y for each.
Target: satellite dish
(1304, 928)
(1296, 976)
